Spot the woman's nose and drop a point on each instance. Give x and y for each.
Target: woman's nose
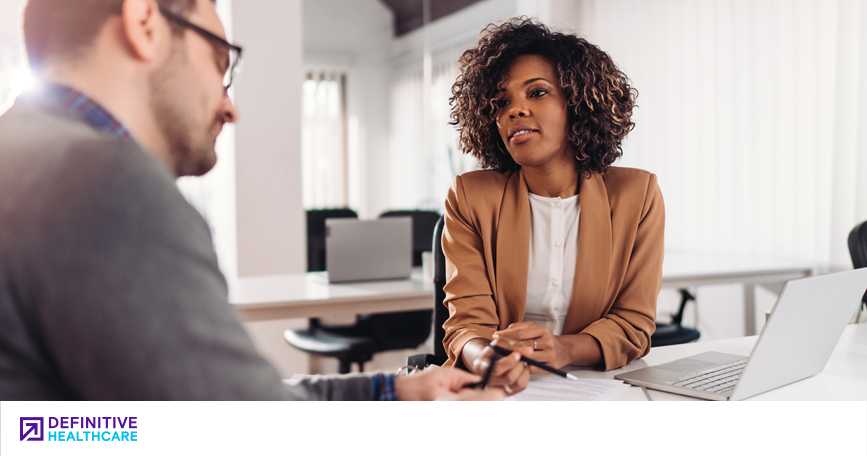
(518, 111)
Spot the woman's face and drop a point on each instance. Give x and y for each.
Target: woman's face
(532, 118)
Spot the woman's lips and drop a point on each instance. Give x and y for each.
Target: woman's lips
(520, 139)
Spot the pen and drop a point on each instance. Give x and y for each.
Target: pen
(502, 351)
(482, 384)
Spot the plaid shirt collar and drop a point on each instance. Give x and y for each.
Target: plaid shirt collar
(86, 109)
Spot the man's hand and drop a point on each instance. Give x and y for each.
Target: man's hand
(438, 383)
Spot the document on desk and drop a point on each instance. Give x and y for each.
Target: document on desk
(551, 388)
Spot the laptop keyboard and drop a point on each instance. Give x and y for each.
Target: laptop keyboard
(719, 379)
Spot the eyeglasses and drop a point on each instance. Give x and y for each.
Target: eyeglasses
(233, 65)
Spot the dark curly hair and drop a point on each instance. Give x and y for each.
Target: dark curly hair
(599, 96)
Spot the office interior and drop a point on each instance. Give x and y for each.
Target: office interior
(752, 113)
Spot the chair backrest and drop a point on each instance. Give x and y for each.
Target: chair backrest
(423, 223)
(858, 250)
(441, 312)
(316, 234)
(858, 245)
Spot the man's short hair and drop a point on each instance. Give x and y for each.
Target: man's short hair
(64, 28)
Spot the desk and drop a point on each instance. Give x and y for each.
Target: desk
(844, 378)
(310, 295)
(685, 270)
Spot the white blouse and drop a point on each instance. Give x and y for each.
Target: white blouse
(553, 255)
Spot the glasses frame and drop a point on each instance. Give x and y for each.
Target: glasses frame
(234, 67)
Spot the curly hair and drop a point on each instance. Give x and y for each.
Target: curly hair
(598, 95)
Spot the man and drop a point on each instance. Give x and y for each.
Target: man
(109, 286)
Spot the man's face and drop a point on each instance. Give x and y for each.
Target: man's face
(189, 101)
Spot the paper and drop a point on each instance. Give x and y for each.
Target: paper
(550, 388)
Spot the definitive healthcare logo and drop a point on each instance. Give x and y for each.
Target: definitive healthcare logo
(80, 429)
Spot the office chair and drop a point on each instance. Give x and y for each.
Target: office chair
(313, 337)
(440, 312)
(372, 333)
(316, 234)
(858, 252)
(674, 333)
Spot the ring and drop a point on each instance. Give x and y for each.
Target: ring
(508, 389)
(534, 344)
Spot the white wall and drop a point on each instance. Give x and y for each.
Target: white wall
(271, 223)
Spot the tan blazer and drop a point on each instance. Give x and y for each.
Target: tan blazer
(486, 241)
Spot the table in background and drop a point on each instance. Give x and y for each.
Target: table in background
(686, 270)
(844, 377)
(307, 295)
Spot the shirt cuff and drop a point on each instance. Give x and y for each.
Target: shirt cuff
(383, 387)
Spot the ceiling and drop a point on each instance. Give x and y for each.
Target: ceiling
(408, 14)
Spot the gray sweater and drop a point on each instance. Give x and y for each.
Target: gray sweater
(109, 286)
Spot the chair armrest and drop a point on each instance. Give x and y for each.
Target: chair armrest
(420, 361)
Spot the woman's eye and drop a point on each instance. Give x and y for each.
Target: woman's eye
(538, 93)
(501, 103)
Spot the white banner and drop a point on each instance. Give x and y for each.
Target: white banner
(266, 428)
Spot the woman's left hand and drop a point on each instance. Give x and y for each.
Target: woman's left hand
(547, 347)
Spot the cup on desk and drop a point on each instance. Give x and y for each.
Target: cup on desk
(427, 266)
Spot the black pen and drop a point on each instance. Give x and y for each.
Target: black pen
(504, 352)
(482, 384)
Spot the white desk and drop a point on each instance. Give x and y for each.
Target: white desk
(685, 270)
(310, 295)
(844, 378)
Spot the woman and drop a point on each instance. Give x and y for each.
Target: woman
(548, 248)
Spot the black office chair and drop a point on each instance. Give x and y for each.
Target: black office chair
(326, 341)
(858, 252)
(440, 312)
(372, 333)
(316, 234)
(675, 333)
(423, 223)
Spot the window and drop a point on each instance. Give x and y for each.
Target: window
(323, 141)
(424, 155)
(15, 75)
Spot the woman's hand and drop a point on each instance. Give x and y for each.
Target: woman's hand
(544, 346)
(509, 373)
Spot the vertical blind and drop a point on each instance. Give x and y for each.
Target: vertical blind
(753, 114)
(424, 154)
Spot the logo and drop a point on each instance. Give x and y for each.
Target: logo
(32, 428)
(79, 429)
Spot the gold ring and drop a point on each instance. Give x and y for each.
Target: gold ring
(534, 344)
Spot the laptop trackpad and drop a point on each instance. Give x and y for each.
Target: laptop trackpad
(686, 365)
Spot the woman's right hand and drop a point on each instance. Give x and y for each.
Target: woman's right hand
(510, 373)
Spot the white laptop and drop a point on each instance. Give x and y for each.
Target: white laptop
(358, 250)
(796, 342)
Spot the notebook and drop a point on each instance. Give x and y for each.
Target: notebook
(358, 250)
(796, 342)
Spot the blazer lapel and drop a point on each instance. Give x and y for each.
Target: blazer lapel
(513, 250)
(594, 256)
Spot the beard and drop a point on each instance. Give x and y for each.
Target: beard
(190, 141)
